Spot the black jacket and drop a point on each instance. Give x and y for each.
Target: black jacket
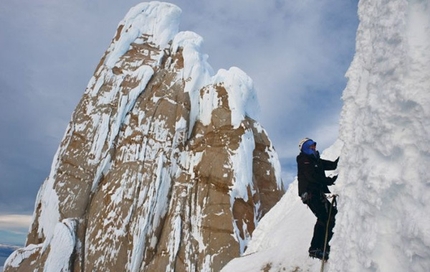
(311, 175)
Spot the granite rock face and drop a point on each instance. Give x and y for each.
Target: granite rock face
(163, 166)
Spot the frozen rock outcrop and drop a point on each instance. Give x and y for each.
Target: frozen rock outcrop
(163, 166)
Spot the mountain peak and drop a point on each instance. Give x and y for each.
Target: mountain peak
(163, 165)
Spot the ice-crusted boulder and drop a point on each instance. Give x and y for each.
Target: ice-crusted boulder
(163, 166)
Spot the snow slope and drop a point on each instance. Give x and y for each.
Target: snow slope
(384, 206)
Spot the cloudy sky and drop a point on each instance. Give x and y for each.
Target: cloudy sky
(296, 52)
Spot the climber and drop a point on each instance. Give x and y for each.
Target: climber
(312, 190)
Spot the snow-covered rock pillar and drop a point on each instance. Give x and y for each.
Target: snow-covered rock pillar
(384, 222)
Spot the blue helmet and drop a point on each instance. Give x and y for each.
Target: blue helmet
(305, 146)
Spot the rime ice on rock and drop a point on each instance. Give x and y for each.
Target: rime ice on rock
(162, 167)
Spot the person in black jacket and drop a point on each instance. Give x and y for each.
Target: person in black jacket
(313, 187)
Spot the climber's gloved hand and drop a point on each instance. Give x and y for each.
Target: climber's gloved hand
(305, 197)
(331, 180)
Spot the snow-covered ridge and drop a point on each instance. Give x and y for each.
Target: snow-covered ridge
(151, 23)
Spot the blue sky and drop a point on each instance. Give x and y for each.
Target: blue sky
(296, 52)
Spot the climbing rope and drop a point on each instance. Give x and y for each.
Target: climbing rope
(332, 204)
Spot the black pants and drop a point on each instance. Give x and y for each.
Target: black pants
(320, 206)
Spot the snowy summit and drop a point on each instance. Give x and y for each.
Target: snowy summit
(163, 166)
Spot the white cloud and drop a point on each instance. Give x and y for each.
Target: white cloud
(15, 222)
